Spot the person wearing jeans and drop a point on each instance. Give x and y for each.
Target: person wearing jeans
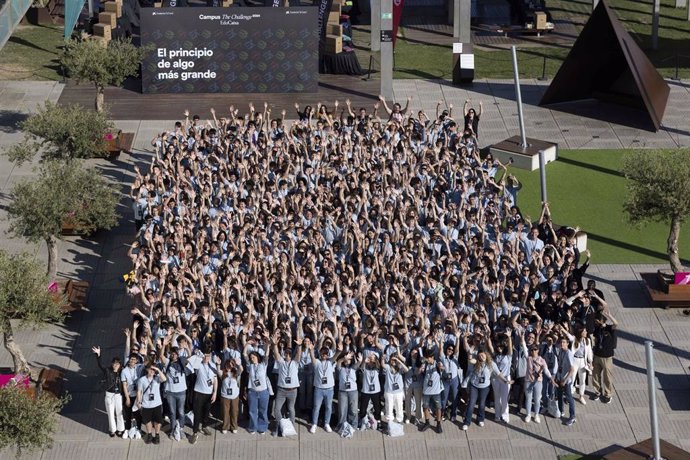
(175, 389)
(564, 379)
(257, 394)
(348, 396)
(324, 383)
(452, 377)
(503, 360)
(479, 379)
(536, 370)
(205, 391)
(288, 381)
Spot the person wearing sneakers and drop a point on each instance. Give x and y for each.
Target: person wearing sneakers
(129, 377)
(371, 387)
(452, 377)
(230, 395)
(257, 391)
(537, 368)
(503, 360)
(432, 388)
(603, 350)
(149, 400)
(582, 352)
(394, 388)
(348, 396)
(478, 380)
(113, 393)
(288, 380)
(564, 379)
(324, 382)
(205, 391)
(175, 389)
(413, 387)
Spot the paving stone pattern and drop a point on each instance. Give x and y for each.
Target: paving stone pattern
(102, 259)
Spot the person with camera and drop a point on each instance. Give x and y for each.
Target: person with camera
(113, 393)
(605, 340)
(149, 400)
(205, 391)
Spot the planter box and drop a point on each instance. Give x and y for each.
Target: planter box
(39, 16)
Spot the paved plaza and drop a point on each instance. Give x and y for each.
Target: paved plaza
(102, 259)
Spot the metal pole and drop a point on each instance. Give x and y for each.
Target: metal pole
(386, 21)
(542, 176)
(651, 388)
(543, 71)
(518, 96)
(655, 24)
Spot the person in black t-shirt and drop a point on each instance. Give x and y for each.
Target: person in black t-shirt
(604, 347)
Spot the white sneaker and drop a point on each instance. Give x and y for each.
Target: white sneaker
(234, 431)
(537, 419)
(125, 435)
(582, 400)
(312, 430)
(481, 423)
(528, 418)
(176, 435)
(224, 431)
(327, 427)
(464, 427)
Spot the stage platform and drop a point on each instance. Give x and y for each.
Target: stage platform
(129, 103)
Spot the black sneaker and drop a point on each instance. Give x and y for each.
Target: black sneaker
(606, 400)
(157, 439)
(194, 438)
(148, 438)
(425, 426)
(595, 397)
(570, 421)
(439, 428)
(206, 431)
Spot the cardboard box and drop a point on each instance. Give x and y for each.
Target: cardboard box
(334, 29)
(108, 18)
(540, 19)
(158, 4)
(103, 41)
(336, 7)
(227, 3)
(102, 30)
(334, 17)
(334, 44)
(114, 7)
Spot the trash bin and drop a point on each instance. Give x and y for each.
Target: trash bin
(463, 63)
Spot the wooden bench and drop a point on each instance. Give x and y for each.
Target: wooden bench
(74, 293)
(50, 381)
(664, 293)
(122, 143)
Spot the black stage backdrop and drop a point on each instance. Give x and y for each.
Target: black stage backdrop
(230, 50)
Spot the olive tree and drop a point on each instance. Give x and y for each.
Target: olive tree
(61, 133)
(90, 60)
(659, 191)
(27, 423)
(24, 297)
(62, 192)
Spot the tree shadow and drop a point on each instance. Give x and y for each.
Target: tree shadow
(10, 119)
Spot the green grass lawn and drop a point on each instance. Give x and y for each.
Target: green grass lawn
(32, 53)
(413, 60)
(586, 189)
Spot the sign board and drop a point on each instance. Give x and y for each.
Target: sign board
(386, 36)
(386, 15)
(230, 50)
(467, 61)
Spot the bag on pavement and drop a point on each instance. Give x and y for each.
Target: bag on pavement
(287, 428)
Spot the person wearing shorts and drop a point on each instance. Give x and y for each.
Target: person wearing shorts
(432, 388)
(150, 402)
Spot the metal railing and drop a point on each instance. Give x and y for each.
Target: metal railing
(11, 14)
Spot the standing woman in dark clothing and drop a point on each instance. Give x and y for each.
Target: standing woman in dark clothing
(113, 394)
(472, 117)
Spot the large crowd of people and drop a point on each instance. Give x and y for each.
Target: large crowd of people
(373, 261)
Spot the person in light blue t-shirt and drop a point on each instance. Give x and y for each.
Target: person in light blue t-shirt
(478, 380)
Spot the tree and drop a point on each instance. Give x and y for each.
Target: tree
(89, 60)
(23, 296)
(61, 132)
(659, 191)
(27, 423)
(61, 192)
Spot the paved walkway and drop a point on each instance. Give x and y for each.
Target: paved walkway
(102, 260)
